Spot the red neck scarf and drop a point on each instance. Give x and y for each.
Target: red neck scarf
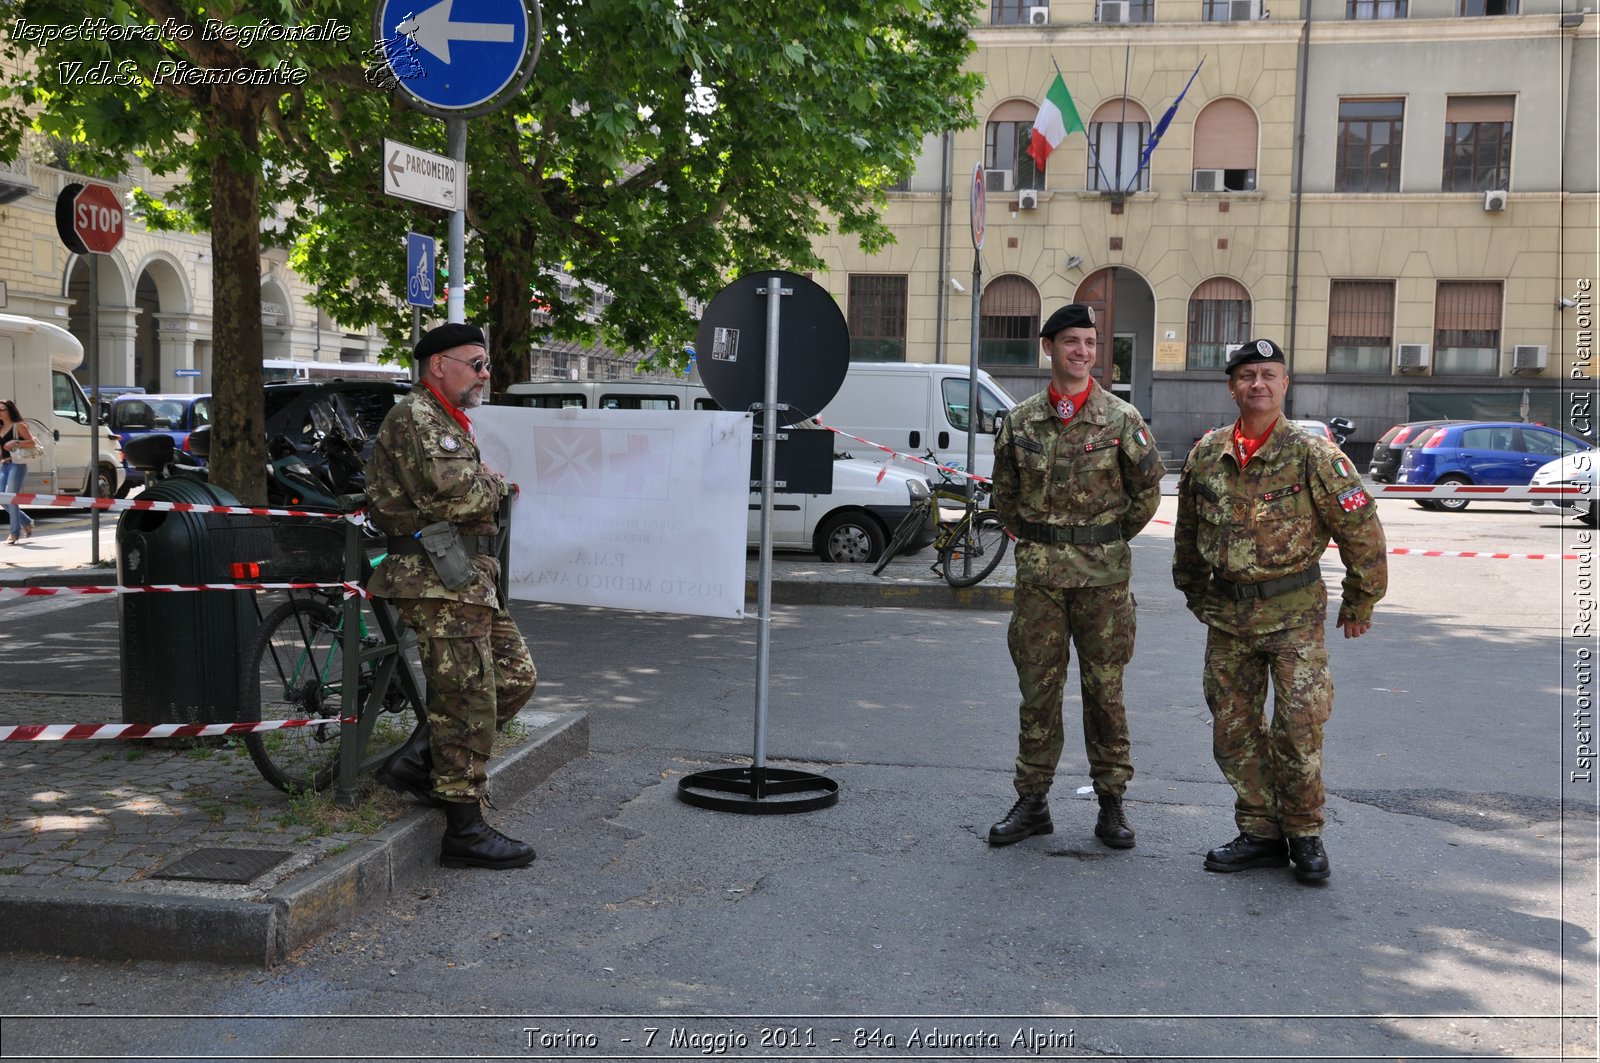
(1067, 406)
(1245, 447)
(451, 408)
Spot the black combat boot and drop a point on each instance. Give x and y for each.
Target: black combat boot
(1029, 816)
(1246, 852)
(1112, 827)
(470, 842)
(409, 769)
(1309, 858)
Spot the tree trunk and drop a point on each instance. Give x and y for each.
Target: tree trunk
(239, 448)
(511, 316)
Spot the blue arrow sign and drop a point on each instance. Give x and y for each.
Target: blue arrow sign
(454, 54)
(419, 269)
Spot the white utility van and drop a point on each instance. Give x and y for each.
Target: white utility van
(915, 407)
(36, 363)
(852, 524)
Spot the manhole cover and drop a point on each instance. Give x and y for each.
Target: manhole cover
(223, 865)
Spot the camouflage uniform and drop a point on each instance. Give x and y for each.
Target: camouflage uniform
(426, 468)
(1098, 471)
(1271, 521)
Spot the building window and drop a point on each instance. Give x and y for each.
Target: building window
(1011, 12)
(1117, 135)
(1369, 145)
(1477, 143)
(1488, 7)
(1363, 10)
(1008, 322)
(1225, 137)
(1466, 328)
(1231, 10)
(1360, 326)
(1219, 318)
(877, 317)
(1005, 148)
(1126, 11)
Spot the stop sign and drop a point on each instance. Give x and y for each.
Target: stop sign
(89, 218)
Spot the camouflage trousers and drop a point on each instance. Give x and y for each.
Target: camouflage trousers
(479, 674)
(1045, 623)
(1276, 770)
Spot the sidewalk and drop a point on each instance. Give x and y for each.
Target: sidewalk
(92, 832)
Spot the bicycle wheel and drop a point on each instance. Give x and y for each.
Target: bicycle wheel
(295, 671)
(983, 539)
(902, 534)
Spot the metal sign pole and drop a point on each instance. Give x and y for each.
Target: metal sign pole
(94, 404)
(456, 305)
(775, 291)
(980, 206)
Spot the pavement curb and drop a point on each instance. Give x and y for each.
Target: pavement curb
(986, 596)
(114, 926)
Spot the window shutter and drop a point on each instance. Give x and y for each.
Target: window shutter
(1468, 306)
(1479, 108)
(1225, 136)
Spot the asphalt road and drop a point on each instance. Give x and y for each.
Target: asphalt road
(1460, 922)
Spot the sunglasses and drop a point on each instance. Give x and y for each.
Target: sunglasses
(478, 365)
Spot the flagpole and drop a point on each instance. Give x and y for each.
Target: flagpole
(1093, 154)
(1127, 60)
(1161, 127)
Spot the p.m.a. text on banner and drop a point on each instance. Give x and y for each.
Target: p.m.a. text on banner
(627, 509)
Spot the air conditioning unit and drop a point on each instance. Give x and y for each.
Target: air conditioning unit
(1113, 10)
(1244, 10)
(1494, 200)
(1209, 181)
(997, 180)
(1039, 15)
(1529, 357)
(1028, 199)
(1412, 356)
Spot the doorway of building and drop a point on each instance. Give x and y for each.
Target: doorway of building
(1125, 310)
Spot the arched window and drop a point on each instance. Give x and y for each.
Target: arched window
(1219, 318)
(1008, 322)
(1117, 135)
(1005, 148)
(1225, 138)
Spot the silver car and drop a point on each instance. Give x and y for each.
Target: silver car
(1574, 470)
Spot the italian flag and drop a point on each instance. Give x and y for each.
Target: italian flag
(1057, 117)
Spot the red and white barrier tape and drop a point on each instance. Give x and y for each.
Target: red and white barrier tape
(347, 587)
(37, 501)
(1523, 493)
(73, 732)
(1411, 552)
(963, 474)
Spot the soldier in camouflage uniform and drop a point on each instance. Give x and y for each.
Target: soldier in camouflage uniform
(1257, 504)
(425, 469)
(1076, 475)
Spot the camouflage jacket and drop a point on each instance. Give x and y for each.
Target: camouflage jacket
(1099, 468)
(1272, 519)
(425, 468)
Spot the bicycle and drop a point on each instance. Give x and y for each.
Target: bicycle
(967, 548)
(309, 653)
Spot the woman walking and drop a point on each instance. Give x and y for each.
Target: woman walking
(15, 435)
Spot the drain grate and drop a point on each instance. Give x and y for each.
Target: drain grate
(223, 865)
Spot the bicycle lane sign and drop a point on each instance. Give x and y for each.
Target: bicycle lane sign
(420, 270)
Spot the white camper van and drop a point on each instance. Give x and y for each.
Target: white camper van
(850, 525)
(915, 407)
(36, 363)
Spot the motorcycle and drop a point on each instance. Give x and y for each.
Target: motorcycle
(1343, 429)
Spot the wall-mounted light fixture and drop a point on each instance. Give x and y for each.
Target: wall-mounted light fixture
(956, 285)
(1566, 303)
(1074, 261)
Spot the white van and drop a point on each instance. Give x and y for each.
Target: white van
(852, 524)
(915, 407)
(36, 363)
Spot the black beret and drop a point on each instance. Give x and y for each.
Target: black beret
(1255, 351)
(1073, 315)
(445, 337)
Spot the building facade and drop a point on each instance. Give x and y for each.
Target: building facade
(1403, 193)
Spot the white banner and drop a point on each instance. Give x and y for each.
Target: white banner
(627, 509)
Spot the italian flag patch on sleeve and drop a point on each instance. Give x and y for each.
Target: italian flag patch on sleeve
(1342, 467)
(1142, 439)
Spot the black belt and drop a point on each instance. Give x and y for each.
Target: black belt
(474, 544)
(1267, 588)
(1077, 534)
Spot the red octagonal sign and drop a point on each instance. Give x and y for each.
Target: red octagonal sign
(89, 218)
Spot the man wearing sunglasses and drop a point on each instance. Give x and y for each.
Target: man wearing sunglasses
(429, 490)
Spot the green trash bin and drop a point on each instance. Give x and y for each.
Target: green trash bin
(181, 651)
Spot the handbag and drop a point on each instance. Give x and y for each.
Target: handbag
(32, 452)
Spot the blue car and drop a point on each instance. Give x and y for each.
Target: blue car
(1482, 452)
(172, 415)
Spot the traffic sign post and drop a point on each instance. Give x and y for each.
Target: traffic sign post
(91, 221)
(980, 210)
(423, 177)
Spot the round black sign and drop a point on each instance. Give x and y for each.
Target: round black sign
(813, 345)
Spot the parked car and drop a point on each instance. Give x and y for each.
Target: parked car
(136, 414)
(1572, 470)
(1319, 429)
(1391, 447)
(1482, 452)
